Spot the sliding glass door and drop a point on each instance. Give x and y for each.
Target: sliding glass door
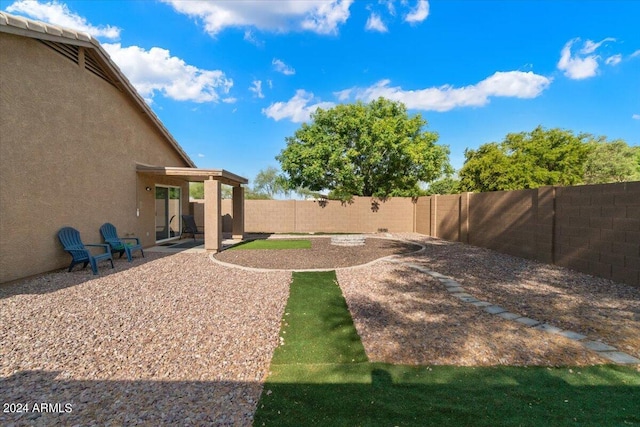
(168, 204)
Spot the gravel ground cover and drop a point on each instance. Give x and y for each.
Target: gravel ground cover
(405, 317)
(322, 254)
(181, 339)
(165, 340)
(593, 306)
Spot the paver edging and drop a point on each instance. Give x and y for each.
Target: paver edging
(455, 289)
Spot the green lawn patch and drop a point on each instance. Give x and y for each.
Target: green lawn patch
(317, 326)
(320, 376)
(376, 394)
(274, 244)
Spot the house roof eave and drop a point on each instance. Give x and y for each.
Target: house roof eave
(18, 25)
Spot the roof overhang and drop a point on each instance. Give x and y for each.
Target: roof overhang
(193, 174)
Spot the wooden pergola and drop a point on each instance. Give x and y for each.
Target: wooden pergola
(213, 179)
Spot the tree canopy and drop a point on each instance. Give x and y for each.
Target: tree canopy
(611, 161)
(526, 160)
(359, 149)
(270, 182)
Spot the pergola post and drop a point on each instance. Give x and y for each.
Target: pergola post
(212, 215)
(238, 212)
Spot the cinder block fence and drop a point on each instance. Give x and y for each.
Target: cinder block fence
(594, 229)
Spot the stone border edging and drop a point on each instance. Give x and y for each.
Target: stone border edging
(457, 290)
(264, 270)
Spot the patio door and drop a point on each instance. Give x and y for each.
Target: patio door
(168, 203)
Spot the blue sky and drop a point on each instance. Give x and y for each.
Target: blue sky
(232, 79)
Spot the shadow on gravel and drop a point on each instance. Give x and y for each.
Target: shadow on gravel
(61, 279)
(549, 293)
(365, 394)
(138, 402)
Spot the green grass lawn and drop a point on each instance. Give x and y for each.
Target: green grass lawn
(274, 244)
(321, 376)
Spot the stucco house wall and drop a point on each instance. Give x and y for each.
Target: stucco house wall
(69, 144)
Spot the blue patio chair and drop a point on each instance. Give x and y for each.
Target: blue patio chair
(119, 244)
(70, 239)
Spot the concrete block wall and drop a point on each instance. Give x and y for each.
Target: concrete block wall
(598, 230)
(594, 229)
(197, 210)
(447, 218)
(362, 215)
(504, 221)
(423, 215)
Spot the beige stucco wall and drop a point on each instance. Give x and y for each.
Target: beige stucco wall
(69, 143)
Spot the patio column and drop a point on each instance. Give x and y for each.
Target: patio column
(212, 215)
(238, 212)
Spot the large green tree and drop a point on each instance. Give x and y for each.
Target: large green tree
(270, 182)
(526, 160)
(612, 161)
(373, 149)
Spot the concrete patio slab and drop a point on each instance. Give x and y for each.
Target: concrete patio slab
(509, 316)
(462, 295)
(572, 335)
(619, 357)
(494, 309)
(527, 321)
(598, 346)
(548, 328)
(482, 304)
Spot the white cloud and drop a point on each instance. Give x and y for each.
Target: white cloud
(575, 67)
(201, 155)
(343, 95)
(155, 70)
(583, 64)
(298, 109)
(59, 14)
(283, 68)
(251, 38)
(636, 117)
(320, 16)
(391, 8)
(590, 46)
(514, 84)
(270, 83)
(256, 88)
(328, 16)
(635, 54)
(613, 59)
(374, 23)
(419, 13)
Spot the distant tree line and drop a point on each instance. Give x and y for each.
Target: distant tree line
(543, 157)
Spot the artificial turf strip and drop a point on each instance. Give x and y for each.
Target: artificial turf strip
(376, 394)
(317, 326)
(274, 244)
(314, 380)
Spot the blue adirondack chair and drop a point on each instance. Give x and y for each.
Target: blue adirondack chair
(70, 239)
(119, 244)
